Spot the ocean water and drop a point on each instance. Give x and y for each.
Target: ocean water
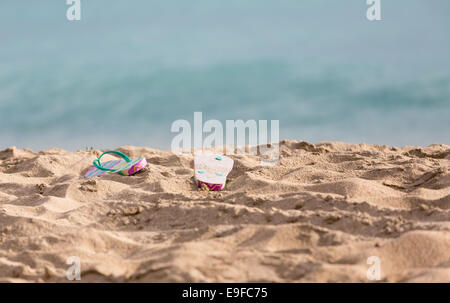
(128, 69)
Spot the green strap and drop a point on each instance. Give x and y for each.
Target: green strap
(99, 165)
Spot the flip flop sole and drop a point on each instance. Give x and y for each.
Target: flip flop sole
(95, 172)
(212, 171)
(124, 168)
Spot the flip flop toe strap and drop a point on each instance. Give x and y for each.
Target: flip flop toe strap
(98, 164)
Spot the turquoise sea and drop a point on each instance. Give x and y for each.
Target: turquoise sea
(128, 69)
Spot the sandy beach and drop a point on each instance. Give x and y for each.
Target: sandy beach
(316, 216)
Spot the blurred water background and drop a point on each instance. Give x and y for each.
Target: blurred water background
(128, 69)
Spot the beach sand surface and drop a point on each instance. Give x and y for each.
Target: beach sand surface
(316, 216)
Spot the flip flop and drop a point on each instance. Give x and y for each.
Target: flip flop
(125, 167)
(212, 171)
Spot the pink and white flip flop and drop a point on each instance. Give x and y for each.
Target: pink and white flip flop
(212, 171)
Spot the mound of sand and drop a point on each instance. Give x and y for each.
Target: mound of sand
(316, 216)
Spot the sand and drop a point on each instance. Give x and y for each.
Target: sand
(317, 216)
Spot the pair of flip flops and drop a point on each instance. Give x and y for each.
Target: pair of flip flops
(212, 171)
(124, 166)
